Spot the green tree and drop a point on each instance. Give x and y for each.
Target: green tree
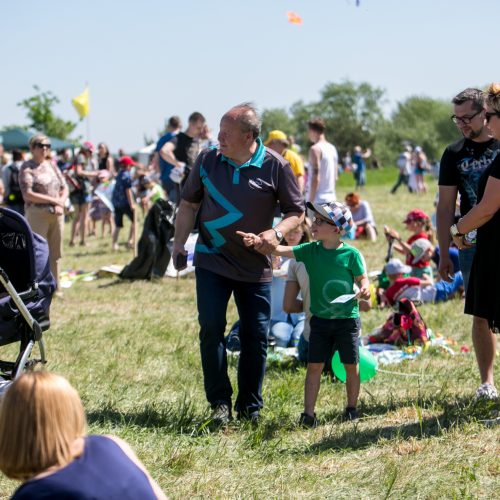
(277, 119)
(419, 121)
(39, 111)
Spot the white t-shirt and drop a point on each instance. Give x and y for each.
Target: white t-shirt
(328, 166)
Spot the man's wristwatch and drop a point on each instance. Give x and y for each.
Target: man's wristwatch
(279, 235)
(455, 232)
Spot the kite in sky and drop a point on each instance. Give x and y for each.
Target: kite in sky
(294, 18)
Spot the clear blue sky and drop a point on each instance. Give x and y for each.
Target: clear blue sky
(148, 59)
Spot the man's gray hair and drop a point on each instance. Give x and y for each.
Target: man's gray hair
(475, 96)
(249, 119)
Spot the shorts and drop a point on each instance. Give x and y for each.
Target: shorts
(80, 197)
(330, 335)
(120, 212)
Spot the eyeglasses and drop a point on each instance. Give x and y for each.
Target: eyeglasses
(318, 221)
(489, 115)
(42, 145)
(464, 119)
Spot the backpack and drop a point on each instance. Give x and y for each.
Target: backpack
(15, 196)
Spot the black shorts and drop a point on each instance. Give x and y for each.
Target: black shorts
(120, 212)
(330, 335)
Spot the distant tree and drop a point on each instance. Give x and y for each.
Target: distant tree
(277, 119)
(421, 121)
(39, 111)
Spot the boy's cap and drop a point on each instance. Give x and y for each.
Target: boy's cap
(336, 212)
(395, 266)
(416, 214)
(418, 249)
(127, 161)
(144, 180)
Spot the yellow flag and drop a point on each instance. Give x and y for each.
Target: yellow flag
(82, 103)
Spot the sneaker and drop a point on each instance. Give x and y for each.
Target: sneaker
(486, 391)
(309, 421)
(221, 414)
(253, 417)
(351, 414)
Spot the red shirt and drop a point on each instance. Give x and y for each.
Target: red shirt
(409, 258)
(395, 291)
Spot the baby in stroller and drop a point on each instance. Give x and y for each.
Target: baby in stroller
(26, 289)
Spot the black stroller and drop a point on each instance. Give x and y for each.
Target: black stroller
(26, 289)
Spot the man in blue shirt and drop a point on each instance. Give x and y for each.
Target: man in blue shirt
(173, 128)
(236, 187)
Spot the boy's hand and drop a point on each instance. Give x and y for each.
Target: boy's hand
(249, 239)
(364, 292)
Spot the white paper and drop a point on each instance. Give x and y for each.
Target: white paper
(342, 299)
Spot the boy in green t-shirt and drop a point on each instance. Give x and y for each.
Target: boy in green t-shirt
(333, 268)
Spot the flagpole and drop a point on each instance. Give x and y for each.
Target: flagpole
(88, 115)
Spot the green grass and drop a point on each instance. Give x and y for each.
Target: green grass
(131, 350)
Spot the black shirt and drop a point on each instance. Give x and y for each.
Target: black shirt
(186, 148)
(462, 165)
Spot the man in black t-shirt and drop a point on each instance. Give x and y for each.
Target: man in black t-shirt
(462, 165)
(182, 150)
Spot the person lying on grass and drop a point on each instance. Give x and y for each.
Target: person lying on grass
(333, 268)
(417, 289)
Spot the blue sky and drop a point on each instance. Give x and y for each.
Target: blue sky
(146, 60)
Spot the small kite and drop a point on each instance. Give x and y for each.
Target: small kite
(294, 18)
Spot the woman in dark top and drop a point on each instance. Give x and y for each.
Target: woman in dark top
(43, 443)
(483, 292)
(104, 159)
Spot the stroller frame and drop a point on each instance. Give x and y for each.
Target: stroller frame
(29, 335)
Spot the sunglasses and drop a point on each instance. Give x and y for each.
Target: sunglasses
(489, 115)
(464, 119)
(318, 221)
(42, 145)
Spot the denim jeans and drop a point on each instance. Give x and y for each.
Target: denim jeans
(466, 257)
(445, 290)
(253, 301)
(287, 333)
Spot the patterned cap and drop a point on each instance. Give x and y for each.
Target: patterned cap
(335, 211)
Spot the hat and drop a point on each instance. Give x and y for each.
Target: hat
(418, 149)
(276, 135)
(418, 249)
(88, 146)
(395, 266)
(416, 214)
(126, 161)
(335, 211)
(144, 180)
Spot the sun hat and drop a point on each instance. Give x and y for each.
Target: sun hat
(337, 212)
(276, 135)
(395, 266)
(418, 249)
(88, 146)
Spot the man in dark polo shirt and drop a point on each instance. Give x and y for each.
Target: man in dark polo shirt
(236, 187)
(462, 165)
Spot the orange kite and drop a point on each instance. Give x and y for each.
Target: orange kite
(294, 18)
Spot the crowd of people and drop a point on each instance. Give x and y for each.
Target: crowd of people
(273, 234)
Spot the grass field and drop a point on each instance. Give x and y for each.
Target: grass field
(131, 350)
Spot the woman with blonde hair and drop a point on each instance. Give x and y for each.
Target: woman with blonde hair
(44, 192)
(43, 444)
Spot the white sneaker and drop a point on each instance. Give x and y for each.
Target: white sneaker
(486, 391)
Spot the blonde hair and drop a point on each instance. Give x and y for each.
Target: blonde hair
(37, 138)
(41, 415)
(493, 96)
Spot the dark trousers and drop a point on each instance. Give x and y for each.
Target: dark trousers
(253, 301)
(402, 179)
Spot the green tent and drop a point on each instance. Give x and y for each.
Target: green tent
(18, 138)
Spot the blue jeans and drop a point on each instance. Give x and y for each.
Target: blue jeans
(253, 301)
(287, 333)
(466, 257)
(445, 290)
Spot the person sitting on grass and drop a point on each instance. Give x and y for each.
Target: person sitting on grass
(419, 224)
(333, 267)
(44, 444)
(123, 199)
(417, 289)
(362, 216)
